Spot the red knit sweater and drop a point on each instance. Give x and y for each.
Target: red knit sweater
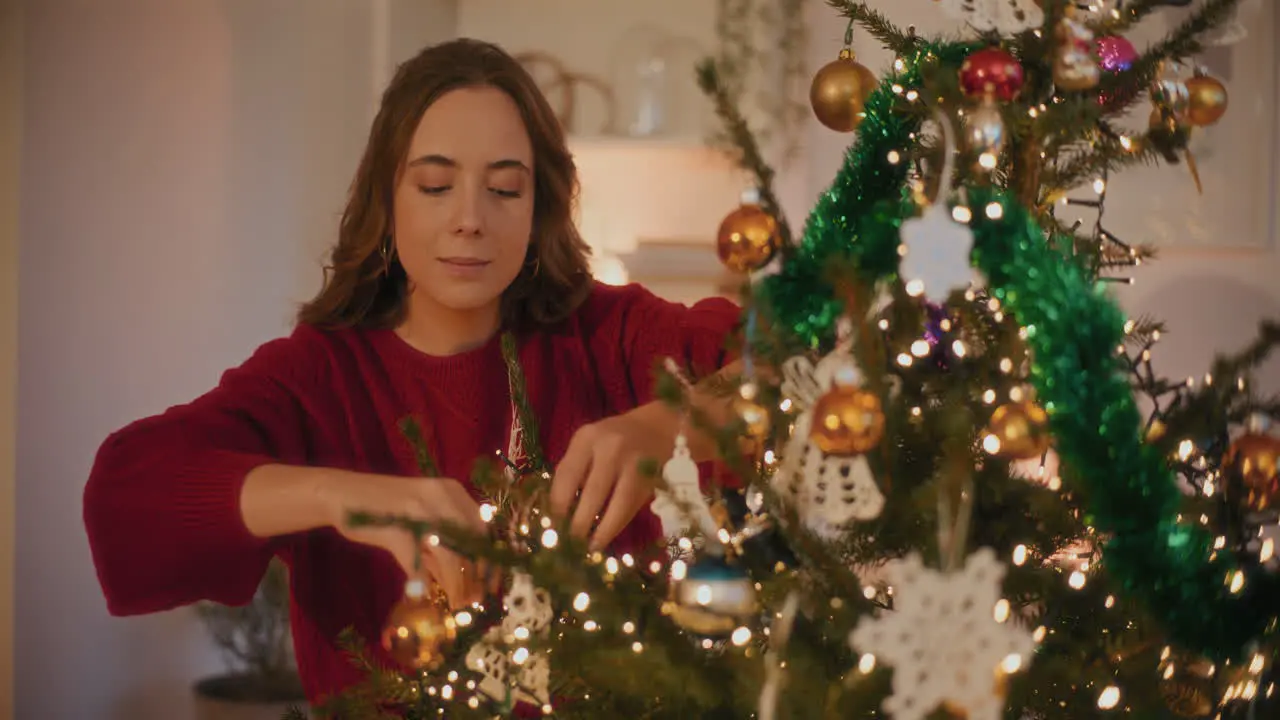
(162, 502)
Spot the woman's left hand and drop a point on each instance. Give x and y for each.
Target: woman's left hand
(602, 462)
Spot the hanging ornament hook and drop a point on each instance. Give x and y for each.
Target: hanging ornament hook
(945, 185)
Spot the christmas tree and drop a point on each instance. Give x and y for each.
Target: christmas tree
(962, 489)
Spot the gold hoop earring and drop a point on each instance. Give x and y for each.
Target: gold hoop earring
(385, 250)
(537, 266)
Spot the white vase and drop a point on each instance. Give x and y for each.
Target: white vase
(649, 117)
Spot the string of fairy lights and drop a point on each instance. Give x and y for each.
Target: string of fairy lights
(1015, 432)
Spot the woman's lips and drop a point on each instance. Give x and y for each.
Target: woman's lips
(463, 266)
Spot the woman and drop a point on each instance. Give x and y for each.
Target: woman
(457, 229)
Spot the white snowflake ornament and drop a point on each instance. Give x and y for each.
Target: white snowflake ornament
(935, 247)
(944, 640)
(528, 684)
(1007, 17)
(828, 491)
(527, 606)
(935, 254)
(528, 611)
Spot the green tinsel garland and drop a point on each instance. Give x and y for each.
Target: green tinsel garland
(1073, 329)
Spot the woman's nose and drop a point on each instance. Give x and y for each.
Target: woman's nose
(468, 215)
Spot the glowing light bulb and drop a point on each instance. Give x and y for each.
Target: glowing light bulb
(1109, 697)
(1001, 612)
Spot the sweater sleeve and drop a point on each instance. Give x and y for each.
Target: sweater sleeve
(162, 503)
(638, 330)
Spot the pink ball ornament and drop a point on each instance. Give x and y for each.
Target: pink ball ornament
(1116, 54)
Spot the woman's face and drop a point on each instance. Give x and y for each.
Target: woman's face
(463, 209)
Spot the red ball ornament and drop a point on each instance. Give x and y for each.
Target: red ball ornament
(991, 71)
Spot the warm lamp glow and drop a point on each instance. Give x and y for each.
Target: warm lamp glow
(609, 270)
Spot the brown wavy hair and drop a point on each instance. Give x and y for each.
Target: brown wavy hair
(362, 288)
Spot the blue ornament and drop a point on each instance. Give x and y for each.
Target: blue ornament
(713, 599)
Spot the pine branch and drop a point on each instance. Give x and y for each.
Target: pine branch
(1252, 355)
(1107, 155)
(1124, 88)
(524, 409)
(740, 135)
(875, 23)
(1208, 410)
(412, 431)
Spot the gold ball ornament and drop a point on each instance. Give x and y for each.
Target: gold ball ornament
(839, 92)
(419, 630)
(1018, 431)
(847, 421)
(1156, 431)
(1207, 100)
(1256, 456)
(1161, 120)
(747, 239)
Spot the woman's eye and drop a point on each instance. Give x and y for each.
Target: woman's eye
(433, 190)
(505, 193)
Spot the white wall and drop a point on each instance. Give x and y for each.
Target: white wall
(183, 168)
(10, 133)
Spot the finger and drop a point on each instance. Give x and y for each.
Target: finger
(462, 511)
(394, 541)
(472, 586)
(451, 577)
(595, 493)
(494, 575)
(468, 509)
(629, 496)
(459, 507)
(490, 576)
(570, 473)
(431, 567)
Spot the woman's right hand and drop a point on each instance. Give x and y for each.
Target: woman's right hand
(438, 500)
(280, 500)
